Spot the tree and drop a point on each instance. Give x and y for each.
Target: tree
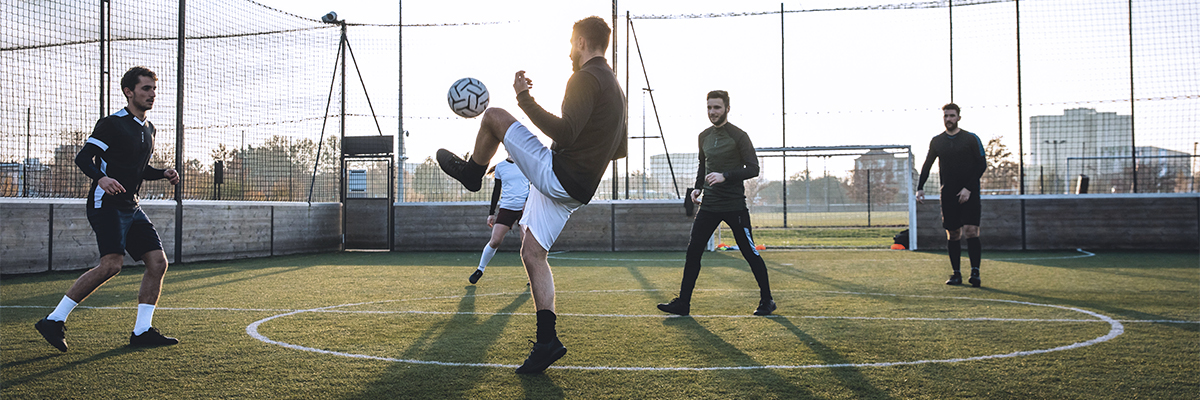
(431, 184)
(877, 186)
(754, 186)
(1002, 172)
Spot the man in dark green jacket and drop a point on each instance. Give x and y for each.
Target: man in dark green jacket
(726, 159)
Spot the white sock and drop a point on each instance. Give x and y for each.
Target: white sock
(144, 315)
(63, 310)
(488, 253)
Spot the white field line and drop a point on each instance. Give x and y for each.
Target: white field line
(1116, 329)
(557, 256)
(714, 316)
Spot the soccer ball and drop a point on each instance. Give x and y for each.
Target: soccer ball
(468, 97)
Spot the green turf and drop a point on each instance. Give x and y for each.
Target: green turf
(877, 238)
(835, 218)
(839, 307)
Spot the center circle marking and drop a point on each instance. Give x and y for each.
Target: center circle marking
(1116, 329)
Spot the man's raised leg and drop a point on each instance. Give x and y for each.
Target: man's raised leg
(493, 125)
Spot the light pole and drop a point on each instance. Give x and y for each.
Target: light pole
(1054, 158)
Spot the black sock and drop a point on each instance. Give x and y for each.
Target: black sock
(545, 326)
(476, 169)
(975, 253)
(955, 248)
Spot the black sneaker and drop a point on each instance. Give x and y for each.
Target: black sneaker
(676, 306)
(55, 332)
(542, 355)
(974, 280)
(151, 337)
(475, 276)
(466, 172)
(955, 279)
(765, 307)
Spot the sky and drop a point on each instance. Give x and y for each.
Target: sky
(853, 77)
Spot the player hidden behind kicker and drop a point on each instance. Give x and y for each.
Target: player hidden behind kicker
(589, 134)
(116, 156)
(961, 162)
(727, 159)
(509, 193)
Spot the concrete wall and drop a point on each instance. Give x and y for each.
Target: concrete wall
(40, 235)
(599, 226)
(1100, 222)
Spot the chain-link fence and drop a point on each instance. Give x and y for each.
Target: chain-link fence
(1057, 90)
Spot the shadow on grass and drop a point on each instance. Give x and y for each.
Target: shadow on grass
(768, 381)
(176, 275)
(1113, 312)
(463, 338)
(11, 381)
(540, 386)
(778, 271)
(850, 377)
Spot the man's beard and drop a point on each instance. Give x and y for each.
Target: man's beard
(721, 119)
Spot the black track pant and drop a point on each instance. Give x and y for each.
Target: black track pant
(702, 229)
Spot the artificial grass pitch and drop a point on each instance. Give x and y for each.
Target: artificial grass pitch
(850, 324)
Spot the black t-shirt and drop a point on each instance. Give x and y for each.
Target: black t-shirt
(119, 147)
(961, 162)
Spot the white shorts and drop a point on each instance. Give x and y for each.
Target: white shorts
(548, 207)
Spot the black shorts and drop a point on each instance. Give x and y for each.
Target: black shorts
(118, 231)
(508, 217)
(955, 215)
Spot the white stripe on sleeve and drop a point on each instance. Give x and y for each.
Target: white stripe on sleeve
(98, 143)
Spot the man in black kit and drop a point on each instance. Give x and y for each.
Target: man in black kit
(961, 164)
(116, 157)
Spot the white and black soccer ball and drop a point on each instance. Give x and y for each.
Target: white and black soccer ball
(468, 97)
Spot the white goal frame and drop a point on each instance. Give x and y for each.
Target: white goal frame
(811, 151)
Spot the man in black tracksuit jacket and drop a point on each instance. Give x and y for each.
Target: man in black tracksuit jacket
(727, 158)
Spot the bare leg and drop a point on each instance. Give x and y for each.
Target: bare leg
(955, 235)
(970, 231)
(156, 268)
(541, 280)
(110, 266)
(498, 232)
(494, 125)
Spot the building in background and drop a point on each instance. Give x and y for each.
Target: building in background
(1064, 146)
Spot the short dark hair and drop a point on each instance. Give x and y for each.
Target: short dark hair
(595, 31)
(952, 106)
(719, 94)
(133, 76)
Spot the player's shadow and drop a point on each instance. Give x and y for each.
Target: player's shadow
(10, 381)
(464, 338)
(1112, 312)
(797, 272)
(850, 377)
(702, 340)
(540, 386)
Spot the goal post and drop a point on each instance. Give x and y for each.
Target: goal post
(841, 187)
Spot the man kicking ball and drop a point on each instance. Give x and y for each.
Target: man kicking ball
(590, 133)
